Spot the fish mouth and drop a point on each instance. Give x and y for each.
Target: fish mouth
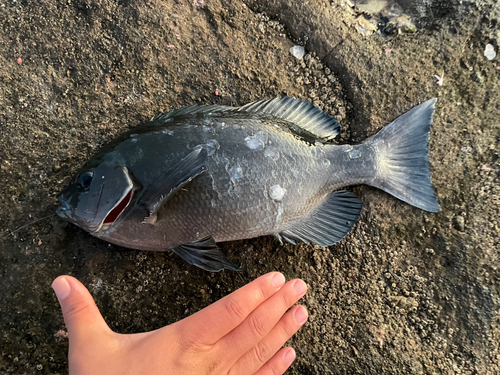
(64, 211)
(61, 212)
(117, 211)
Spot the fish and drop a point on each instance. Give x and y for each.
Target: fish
(196, 176)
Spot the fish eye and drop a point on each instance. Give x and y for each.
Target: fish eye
(85, 179)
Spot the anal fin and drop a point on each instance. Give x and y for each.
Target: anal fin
(329, 223)
(205, 254)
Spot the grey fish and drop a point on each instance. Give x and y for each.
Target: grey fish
(204, 174)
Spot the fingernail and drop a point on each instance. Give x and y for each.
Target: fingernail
(289, 356)
(301, 315)
(300, 288)
(61, 287)
(278, 280)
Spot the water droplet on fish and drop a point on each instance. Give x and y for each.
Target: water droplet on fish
(254, 143)
(212, 146)
(262, 136)
(206, 129)
(280, 212)
(354, 154)
(134, 140)
(236, 126)
(346, 148)
(236, 172)
(271, 153)
(326, 163)
(276, 192)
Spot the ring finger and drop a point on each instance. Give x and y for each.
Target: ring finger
(261, 353)
(261, 321)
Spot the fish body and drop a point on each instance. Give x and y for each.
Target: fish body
(200, 175)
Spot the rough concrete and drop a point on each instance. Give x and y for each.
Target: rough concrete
(407, 292)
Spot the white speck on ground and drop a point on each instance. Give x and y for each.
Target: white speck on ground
(440, 79)
(298, 52)
(489, 52)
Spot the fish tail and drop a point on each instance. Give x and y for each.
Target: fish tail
(402, 158)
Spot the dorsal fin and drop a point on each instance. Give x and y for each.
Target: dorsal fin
(298, 112)
(302, 116)
(193, 110)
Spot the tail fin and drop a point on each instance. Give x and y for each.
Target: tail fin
(402, 158)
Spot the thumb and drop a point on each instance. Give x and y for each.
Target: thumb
(81, 315)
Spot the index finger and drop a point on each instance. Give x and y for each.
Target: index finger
(217, 320)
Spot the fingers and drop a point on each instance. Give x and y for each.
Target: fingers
(214, 322)
(261, 353)
(279, 363)
(81, 315)
(261, 321)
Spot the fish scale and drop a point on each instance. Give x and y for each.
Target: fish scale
(205, 174)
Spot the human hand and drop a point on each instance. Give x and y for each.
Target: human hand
(239, 334)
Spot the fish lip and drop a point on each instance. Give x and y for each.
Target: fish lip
(65, 211)
(61, 212)
(65, 208)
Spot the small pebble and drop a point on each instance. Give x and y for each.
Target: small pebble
(56, 167)
(298, 52)
(459, 223)
(489, 52)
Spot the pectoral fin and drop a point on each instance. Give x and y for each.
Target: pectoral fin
(329, 223)
(205, 254)
(169, 182)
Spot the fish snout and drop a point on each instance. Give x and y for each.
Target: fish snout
(65, 208)
(61, 212)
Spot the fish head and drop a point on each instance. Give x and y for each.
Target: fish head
(98, 197)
